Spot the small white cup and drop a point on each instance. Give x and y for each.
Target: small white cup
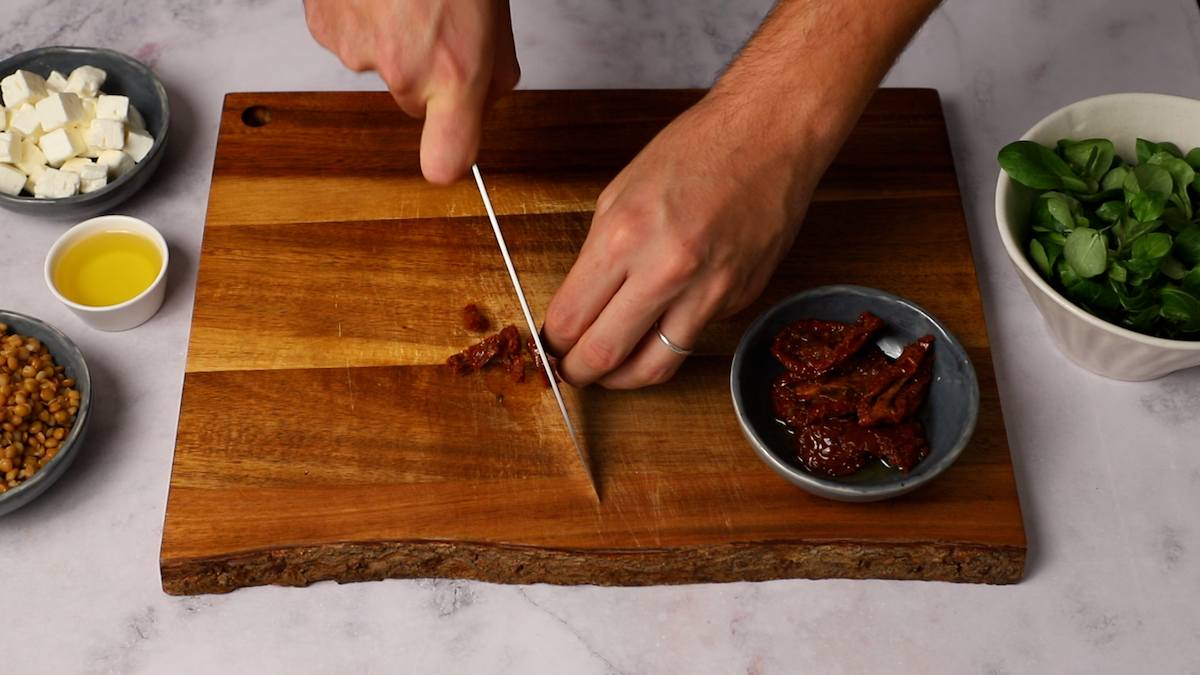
(131, 313)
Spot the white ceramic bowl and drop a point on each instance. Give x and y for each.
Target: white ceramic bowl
(1101, 347)
(132, 312)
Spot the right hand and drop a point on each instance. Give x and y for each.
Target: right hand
(690, 231)
(442, 60)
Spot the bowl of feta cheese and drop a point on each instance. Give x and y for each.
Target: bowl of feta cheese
(83, 129)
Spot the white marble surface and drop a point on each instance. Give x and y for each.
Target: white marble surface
(1109, 473)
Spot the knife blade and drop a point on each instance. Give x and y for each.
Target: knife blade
(533, 330)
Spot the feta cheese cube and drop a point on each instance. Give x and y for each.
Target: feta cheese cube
(138, 144)
(22, 87)
(87, 185)
(12, 180)
(112, 107)
(5, 115)
(135, 121)
(76, 135)
(59, 110)
(31, 181)
(89, 114)
(92, 176)
(56, 82)
(76, 164)
(55, 184)
(89, 110)
(116, 162)
(86, 81)
(32, 161)
(25, 120)
(10, 148)
(105, 134)
(60, 145)
(93, 171)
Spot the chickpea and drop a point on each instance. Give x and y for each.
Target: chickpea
(38, 405)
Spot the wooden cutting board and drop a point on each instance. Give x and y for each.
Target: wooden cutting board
(321, 436)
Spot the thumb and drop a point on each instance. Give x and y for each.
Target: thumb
(450, 138)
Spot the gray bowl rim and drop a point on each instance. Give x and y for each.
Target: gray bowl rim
(159, 141)
(831, 489)
(46, 475)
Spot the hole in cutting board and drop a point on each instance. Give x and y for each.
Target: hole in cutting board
(256, 116)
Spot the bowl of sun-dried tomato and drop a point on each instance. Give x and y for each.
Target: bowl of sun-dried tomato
(45, 400)
(853, 393)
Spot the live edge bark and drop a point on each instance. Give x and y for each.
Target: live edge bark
(301, 566)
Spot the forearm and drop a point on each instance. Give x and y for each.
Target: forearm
(802, 81)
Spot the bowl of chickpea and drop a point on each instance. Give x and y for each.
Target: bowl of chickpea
(45, 397)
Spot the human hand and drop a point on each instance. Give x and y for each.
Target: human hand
(443, 60)
(690, 230)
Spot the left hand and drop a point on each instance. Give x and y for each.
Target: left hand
(443, 60)
(691, 230)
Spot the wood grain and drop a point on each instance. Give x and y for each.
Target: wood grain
(320, 436)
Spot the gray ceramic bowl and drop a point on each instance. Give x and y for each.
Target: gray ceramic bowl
(126, 77)
(65, 354)
(948, 414)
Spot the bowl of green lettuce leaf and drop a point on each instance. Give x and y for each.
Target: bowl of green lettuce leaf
(1098, 207)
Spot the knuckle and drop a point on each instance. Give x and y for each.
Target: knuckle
(682, 263)
(563, 323)
(354, 58)
(599, 356)
(617, 384)
(659, 373)
(721, 286)
(411, 107)
(624, 233)
(609, 195)
(642, 376)
(356, 64)
(400, 81)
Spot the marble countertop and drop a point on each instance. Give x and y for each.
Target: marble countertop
(1109, 473)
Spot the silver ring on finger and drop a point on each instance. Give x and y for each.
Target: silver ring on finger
(669, 344)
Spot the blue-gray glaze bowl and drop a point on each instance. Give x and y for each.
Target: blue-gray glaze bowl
(949, 412)
(126, 77)
(65, 354)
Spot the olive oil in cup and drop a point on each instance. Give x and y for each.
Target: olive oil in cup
(110, 271)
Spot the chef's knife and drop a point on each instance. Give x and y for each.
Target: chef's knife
(533, 330)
